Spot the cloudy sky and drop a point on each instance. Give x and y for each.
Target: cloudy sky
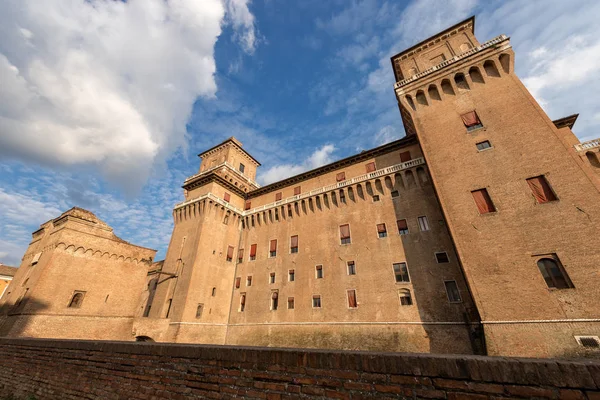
(105, 104)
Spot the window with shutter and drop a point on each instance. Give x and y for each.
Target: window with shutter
(319, 271)
(274, 301)
(242, 302)
(341, 176)
(277, 196)
(253, 252)
(471, 121)
(229, 253)
(290, 303)
(291, 275)
(240, 255)
(370, 167)
(273, 248)
(423, 223)
(452, 292)
(405, 156)
(345, 234)
(294, 244)
(351, 268)
(483, 201)
(352, 298)
(381, 230)
(248, 205)
(402, 227)
(297, 190)
(226, 197)
(541, 189)
(249, 280)
(238, 282)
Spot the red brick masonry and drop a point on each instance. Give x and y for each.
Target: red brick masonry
(68, 369)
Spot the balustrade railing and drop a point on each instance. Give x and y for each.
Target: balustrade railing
(590, 144)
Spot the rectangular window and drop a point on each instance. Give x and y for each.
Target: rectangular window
(242, 302)
(405, 156)
(36, 258)
(395, 193)
(248, 205)
(199, 310)
(381, 230)
(341, 176)
(242, 168)
(452, 291)
(277, 196)
(484, 145)
(297, 190)
(554, 273)
(274, 300)
(351, 268)
(227, 197)
(294, 244)
(249, 280)
(442, 257)
(351, 293)
(290, 303)
(273, 248)
(253, 252)
(401, 272)
(405, 297)
(238, 282)
(316, 301)
(319, 271)
(483, 201)
(375, 198)
(240, 255)
(291, 275)
(423, 223)
(229, 253)
(370, 167)
(272, 277)
(541, 189)
(402, 227)
(471, 121)
(345, 234)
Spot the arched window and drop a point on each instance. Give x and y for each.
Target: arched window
(214, 292)
(410, 102)
(199, 310)
(447, 87)
(554, 274)
(505, 62)
(410, 179)
(422, 175)
(274, 301)
(405, 297)
(77, 299)
(242, 302)
(461, 82)
(593, 159)
(421, 99)
(490, 68)
(476, 75)
(433, 93)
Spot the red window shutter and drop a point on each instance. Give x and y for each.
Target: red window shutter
(402, 224)
(248, 205)
(243, 299)
(230, 252)
(405, 156)
(294, 242)
(352, 298)
(345, 231)
(291, 271)
(483, 201)
(274, 295)
(253, 250)
(370, 167)
(273, 246)
(277, 196)
(381, 228)
(226, 197)
(470, 119)
(296, 190)
(541, 189)
(341, 176)
(240, 254)
(238, 282)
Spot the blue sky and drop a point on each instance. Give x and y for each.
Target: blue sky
(105, 104)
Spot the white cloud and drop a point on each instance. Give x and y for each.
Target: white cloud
(318, 158)
(108, 83)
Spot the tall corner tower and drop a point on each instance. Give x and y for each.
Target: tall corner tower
(522, 208)
(197, 277)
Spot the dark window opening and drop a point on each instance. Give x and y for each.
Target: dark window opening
(316, 301)
(375, 198)
(395, 193)
(352, 303)
(442, 257)
(401, 272)
(291, 275)
(272, 277)
(351, 268)
(199, 310)
(405, 297)
(381, 230)
(76, 299)
(274, 301)
(290, 303)
(319, 271)
(402, 227)
(554, 274)
(541, 189)
(484, 145)
(242, 168)
(452, 292)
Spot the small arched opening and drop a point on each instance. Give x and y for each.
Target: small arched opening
(593, 159)
(461, 81)
(433, 93)
(505, 62)
(410, 102)
(490, 69)
(421, 99)
(476, 76)
(447, 87)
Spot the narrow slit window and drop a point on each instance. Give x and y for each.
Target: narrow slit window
(345, 234)
(272, 277)
(442, 257)
(213, 292)
(341, 176)
(370, 167)
(401, 272)
(249, 280)
(316, 301)
(294, 244)
(274, 301)
(319, 272)
(351, 268)
(351, 294)
(402, 227)
(291, 275)
(76, 299)
(484, 145)
(199, 310)
(452, 292)
(554, 274)
(471, 121)
(242, 302)
(253, 252)
(541, 189)
(423, 223)
(238, 282)
(229, 253)
(273, 248)
(381, 230)
(483, 201)
(290, 303)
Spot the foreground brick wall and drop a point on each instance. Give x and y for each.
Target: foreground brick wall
(62, 369)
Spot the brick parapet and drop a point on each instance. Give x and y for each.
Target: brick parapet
(64, 369)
